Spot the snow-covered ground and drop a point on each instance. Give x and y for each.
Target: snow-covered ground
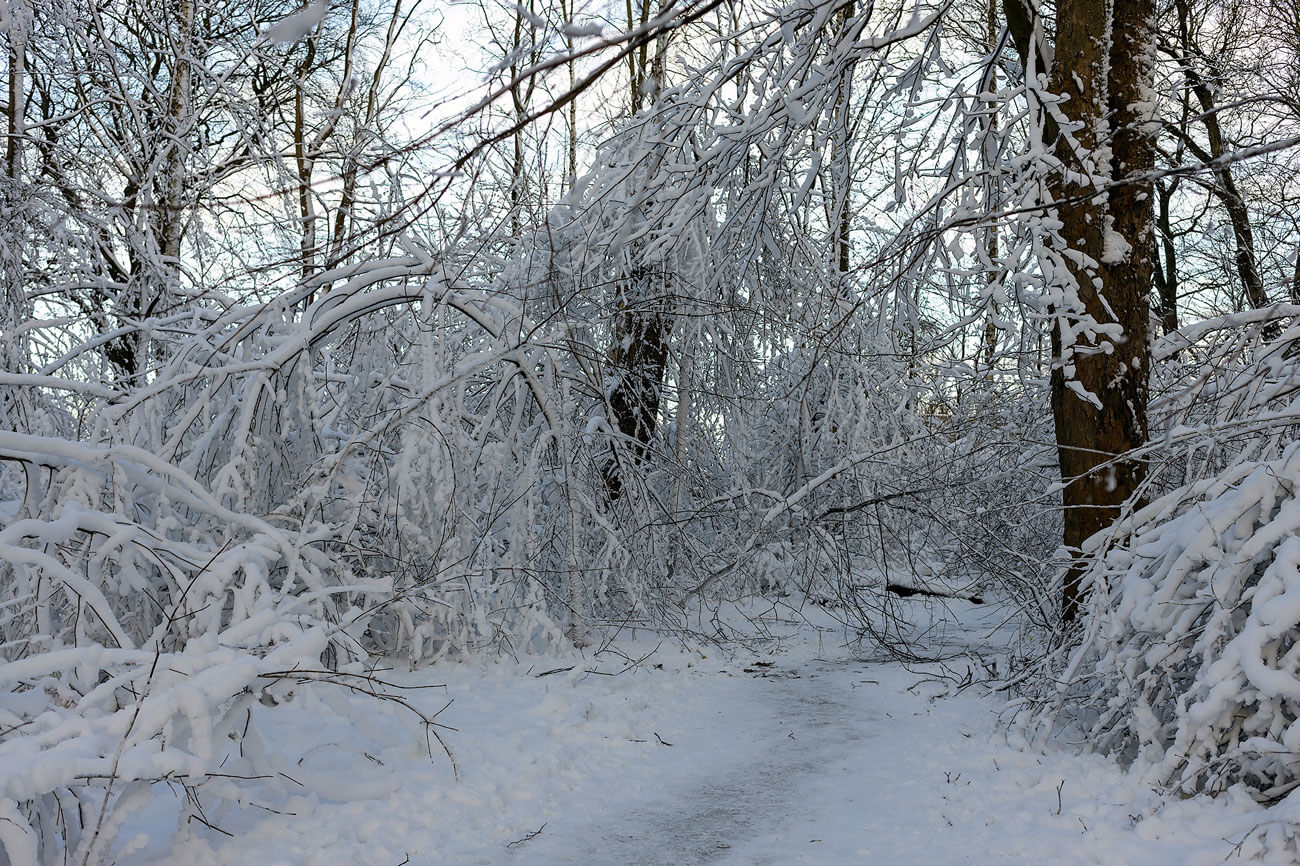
(791, 750)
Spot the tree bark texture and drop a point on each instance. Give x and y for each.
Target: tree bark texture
(639, 356)
(1103, 67)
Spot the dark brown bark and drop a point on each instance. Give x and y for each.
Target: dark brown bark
(1022, 25)
(639, 356)
(1099, 378)
(1021, 16)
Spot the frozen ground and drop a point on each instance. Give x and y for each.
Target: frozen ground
(789, 751)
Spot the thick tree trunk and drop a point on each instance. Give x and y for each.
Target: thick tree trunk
(1099, 376)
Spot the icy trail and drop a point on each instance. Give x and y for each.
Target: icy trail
(802, 755)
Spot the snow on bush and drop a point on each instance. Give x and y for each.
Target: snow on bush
(1190, 664)
(1187, 663)
(263, 508)
(138, 618)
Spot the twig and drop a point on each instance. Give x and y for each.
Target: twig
(89, 844)
(195, 816)
(370, 685)
(530, 836)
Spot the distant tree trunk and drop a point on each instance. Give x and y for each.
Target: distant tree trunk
(643, 322)
(172, 219)
(639, 355)
(17, 61)
(1165, 267)
(521, 95)
(1225, 185)
(14, 295)
(841, 165)
(1103, 65)
(316, 247)
(991, 250)
(1295, 281)
(638, 60)
(567, 11)
(304, 163)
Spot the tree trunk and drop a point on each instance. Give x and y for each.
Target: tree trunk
(1103, 66)
(1295, 281)
(643, 320)
(17, 33)
(15, 309)
(841, 166)
(172, 222)
(1165, 269)
(1225, 188)
(304, 163)
(992, 196)
(567, 10)
(639, 355)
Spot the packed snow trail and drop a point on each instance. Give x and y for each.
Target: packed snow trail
(789, 753)
(751, 806)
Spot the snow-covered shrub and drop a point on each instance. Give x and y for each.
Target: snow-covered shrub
(1191, 663)
(993, 509)
(1187, 661)
(792, 446)
(137, 617)
(375, 474)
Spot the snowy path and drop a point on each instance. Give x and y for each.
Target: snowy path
(799, 756)
(842, 762)
(754, 803)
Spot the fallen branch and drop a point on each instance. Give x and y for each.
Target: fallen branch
(903, 591)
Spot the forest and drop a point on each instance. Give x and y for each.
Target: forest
(376, 336)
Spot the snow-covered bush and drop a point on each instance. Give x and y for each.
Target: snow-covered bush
(137, 617)
(1191, 663)
(1187, 661)
(289, 493)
